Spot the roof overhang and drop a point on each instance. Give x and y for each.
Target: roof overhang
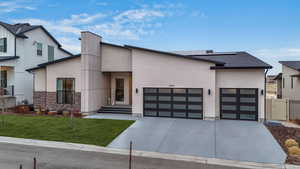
(172, 54)
(241, 67)
(296, 75)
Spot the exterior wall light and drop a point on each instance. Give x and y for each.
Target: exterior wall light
(262, 92)
(136, 90)
(209, 91)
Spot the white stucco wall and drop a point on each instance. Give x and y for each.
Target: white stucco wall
(66, 69)
(287, 91)
(115, 59)
(151, 69)
(240, 78)
(40, 82)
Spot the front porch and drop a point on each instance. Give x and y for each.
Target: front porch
(119, 93)
(7, 90)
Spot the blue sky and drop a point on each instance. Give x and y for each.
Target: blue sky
(268, 29)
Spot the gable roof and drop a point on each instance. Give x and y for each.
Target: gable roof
(20, 28)
(234, 60)
(43, 65)
(291, 64)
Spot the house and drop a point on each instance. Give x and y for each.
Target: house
(23, 46)
(289, 79)
(153, 83)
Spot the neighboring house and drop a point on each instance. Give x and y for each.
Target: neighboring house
(271, 87)
(154, 83)
(290, 80)
(23, 46)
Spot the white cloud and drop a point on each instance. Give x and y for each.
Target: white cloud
(138, 15)
(120, 25)
(279, 52)
(81, 19)
(11, 6)
(101, 3)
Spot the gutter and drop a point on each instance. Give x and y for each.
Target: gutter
(265, 95)
(15, 46)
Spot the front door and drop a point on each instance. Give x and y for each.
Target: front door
(119, 93)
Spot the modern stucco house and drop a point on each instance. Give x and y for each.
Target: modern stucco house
(23, 46)
(288, 81)
(154, 83)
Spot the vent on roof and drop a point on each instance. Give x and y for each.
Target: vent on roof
(209, 51)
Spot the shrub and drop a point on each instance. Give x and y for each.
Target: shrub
(294, 150)
(290, 143)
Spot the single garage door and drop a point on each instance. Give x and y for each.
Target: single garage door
(239, 103)
(173, 102)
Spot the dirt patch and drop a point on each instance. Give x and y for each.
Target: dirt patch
(282, 133)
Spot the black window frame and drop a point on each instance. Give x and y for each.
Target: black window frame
(4, 47)
(283, 82)
(292, 83)
(64, 92)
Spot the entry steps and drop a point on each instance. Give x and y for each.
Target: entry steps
(116, 109)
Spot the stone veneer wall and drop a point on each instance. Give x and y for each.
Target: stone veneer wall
(47, 100)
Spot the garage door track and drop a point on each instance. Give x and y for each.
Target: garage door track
(226, 139)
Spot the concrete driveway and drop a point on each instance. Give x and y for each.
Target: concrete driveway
(226, 139)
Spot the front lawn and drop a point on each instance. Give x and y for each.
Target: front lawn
(86, 131)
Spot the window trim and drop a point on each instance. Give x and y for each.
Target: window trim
(65, 91)
(4, 45)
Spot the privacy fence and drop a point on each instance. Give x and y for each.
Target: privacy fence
(282, 109)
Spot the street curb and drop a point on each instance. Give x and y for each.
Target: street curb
(92, 148)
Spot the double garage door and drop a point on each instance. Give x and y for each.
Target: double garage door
(173, 102)
(239, 104)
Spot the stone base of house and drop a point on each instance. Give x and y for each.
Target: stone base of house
(47, 100)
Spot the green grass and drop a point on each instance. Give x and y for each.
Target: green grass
(86, 131)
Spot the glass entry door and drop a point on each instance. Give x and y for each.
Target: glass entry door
(119, 98)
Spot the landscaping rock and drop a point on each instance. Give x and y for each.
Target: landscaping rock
(294, 151)
(291, 143)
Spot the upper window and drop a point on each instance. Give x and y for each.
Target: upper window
(292, 82)
(39, 49)
(3, 44)
(50, 53)
(65, 93)
(283, 83)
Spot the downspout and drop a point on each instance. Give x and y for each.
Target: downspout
(265, 95)
(15, 46)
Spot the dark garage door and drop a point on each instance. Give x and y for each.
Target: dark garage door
(239, 104)
(173, 102)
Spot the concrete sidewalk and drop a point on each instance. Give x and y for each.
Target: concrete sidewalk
(142, 154)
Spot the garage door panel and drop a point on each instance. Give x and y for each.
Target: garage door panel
(239, 103)
(173, 102)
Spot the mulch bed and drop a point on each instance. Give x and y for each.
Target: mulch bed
(282, 133)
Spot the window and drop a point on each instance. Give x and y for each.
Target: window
(3, 44)
(292, 82)
(3, 79)
(283, 83)
(65, 90)
(39, 49)
(50, 53)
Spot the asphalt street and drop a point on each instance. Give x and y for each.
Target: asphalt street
(12, 156)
